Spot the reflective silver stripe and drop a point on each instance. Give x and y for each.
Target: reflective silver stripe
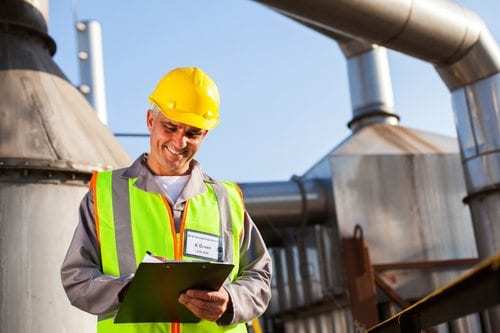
(123, 227)
(226, 239)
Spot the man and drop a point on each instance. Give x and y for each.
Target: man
(160, 204)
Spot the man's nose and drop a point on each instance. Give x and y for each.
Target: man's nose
(180, 140)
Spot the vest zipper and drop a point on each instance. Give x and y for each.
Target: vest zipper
(178, 239)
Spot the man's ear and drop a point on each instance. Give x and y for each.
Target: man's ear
(149, 120)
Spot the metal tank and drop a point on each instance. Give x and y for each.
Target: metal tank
(50, 141)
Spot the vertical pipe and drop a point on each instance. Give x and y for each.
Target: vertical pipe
(477, 116)
(293, 272)
(370, 85)
(304, 268)
(369, 76)
(90, 61)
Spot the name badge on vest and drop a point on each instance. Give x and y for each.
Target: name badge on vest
(202, 245)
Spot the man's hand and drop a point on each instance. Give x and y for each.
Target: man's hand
(209, 305)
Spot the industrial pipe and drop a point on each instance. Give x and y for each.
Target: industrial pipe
(438, 31)
(288, 203)
(91, 64)
(370, 84)
(370, 87)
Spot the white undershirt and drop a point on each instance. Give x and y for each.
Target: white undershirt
(172, 186)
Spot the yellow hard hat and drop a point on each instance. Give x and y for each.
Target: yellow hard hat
(188, 96)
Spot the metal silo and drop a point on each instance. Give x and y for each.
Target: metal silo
(50, 141)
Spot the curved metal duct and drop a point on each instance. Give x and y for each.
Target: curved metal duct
(370, 84)
(50, 141)
(439, 31)
(286, 204)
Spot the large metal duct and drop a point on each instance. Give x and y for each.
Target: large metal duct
(50, 140)
(277, 205)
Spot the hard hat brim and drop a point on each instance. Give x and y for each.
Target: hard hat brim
(187, 118)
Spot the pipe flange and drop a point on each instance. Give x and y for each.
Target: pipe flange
(370, 115)
(483, 192)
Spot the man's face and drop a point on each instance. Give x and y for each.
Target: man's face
(172, 145)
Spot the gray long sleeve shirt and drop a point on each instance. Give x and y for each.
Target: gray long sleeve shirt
(92, 291)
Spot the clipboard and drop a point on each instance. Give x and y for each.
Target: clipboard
(154, 291)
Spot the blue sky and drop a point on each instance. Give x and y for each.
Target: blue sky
(284, 88)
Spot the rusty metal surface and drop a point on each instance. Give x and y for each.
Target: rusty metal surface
(360, 280)
(381, 139)
(428, 265)
(416, 208)
(474, 291)
(390, 293)
(404, 187)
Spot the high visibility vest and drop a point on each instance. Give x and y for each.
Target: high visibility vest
(130, 221)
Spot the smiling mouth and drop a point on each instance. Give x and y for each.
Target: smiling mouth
(173, 151)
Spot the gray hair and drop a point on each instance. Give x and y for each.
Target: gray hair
(155, 109)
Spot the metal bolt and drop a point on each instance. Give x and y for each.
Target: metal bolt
(83, 55)
(84, 89)
(80, 26)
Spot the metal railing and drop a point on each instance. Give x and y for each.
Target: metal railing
(473, 292)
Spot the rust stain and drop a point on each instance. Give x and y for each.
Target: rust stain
(404, 139)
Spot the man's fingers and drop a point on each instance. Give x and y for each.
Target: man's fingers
(209, 296)
(202, 309)
(209, 305)
(205, 307)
